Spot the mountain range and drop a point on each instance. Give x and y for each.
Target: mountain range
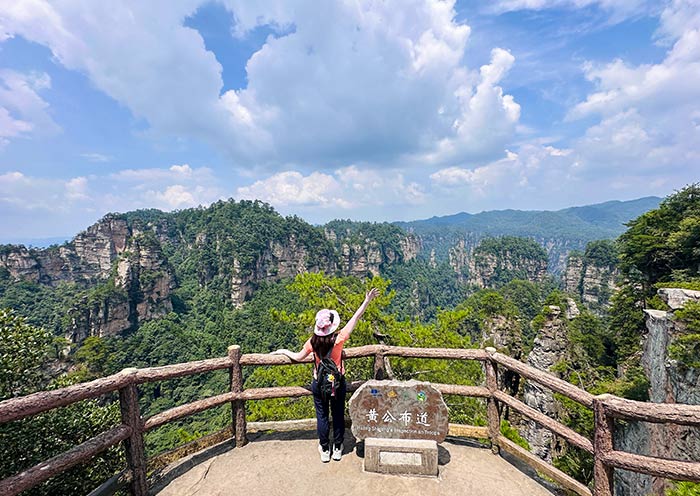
(558, 231)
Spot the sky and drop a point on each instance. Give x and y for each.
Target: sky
(361, 109)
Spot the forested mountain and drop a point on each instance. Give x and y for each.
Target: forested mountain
(557, 231)
(148, 288)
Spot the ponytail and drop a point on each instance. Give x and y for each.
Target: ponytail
(322, 344)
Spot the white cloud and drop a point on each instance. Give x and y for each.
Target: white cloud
(620, 9)
(22, 111)
(173, 173)
(179, 186)
(677, 18)
(97, 157)
(175, 196)
(379, 187)
(375, 86)
(43, 206)
(348, 188)
(293, 188)
(77, 189)
(650, 113)
(343, 82)
(22, 192)
(532, 168)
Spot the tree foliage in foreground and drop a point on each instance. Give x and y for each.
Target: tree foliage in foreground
(664, 244)
(24, 443)
(661, 248)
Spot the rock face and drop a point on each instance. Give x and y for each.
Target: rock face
(458, 249)
(503, 334)
(572, 310)
(20, 263)
(278, 261)
(669, 383)
(550, 348)
(361, 253)
(677, 298)
(593, 284)
(121, 263)
(88, 258)
(131, 276)
(459, 256)
(134, 278)
(139, 291)
(484, 269)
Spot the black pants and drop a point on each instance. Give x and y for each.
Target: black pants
(336, 406)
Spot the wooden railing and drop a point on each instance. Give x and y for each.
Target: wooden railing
(131, 431)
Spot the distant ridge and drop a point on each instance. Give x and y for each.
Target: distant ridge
(558, 231)
(585, 223)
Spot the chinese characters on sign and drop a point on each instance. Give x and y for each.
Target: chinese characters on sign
(405, 417)
(403, 410)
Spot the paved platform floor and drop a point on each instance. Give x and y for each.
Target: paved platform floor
(289, 464)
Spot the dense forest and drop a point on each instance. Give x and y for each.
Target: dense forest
(185, 285)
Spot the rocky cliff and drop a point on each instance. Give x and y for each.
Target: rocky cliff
(279, 260)
(593, 283)
(365, 248)
(88, 258)
(124, 275)
(550, 347)
(498, 260)
(670, 382)
(126, 266)
(457, 249)
(558, 232)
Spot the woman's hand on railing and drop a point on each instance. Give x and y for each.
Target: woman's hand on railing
(297, 357)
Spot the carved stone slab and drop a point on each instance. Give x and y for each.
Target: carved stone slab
(400, 410)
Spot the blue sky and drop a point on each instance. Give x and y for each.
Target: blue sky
(368, 110)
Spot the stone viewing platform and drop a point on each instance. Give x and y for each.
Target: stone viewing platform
(288, 464)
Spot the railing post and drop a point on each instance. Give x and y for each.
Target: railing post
(134, 445)
(492, 414)
(603, 484)
(382, 367)
(237, 406)
(379, 372)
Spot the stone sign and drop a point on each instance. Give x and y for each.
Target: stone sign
(400, 410)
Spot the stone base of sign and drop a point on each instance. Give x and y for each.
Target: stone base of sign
(401, 456)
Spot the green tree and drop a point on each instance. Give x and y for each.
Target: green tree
(686, 347)
(601, 253)
(93, 353)
(684, 489)
(24, 443)
(23, 349)
(662, 244)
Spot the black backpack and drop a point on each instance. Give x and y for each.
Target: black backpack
(328, 377)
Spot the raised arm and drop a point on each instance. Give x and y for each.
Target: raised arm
(350, 326)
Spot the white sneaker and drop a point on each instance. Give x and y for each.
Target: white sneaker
(337, 452)
(325, 454)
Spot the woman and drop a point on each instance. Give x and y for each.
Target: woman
(324, 339)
